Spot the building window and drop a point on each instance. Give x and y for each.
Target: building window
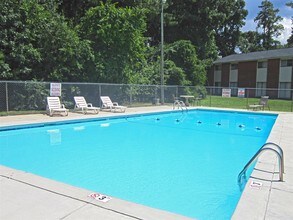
(234, 89)
(217, 90)
(261, 88)
(285, 63)
(217, 84)
(218, 67)
(285, 90)
(285, 79)
(263, 64)
(234, 66)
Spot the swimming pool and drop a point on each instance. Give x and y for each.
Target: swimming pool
(185, 163)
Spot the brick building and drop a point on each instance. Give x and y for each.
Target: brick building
(264, 71)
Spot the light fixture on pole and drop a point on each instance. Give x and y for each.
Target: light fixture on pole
(162, 52)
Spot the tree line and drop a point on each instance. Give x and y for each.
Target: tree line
(117, 41)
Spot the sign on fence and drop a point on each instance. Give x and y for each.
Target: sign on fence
(226, 93)
(55, 89)
(241, 92)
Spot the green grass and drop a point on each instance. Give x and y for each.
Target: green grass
(242, 103)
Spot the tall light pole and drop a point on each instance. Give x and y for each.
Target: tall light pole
(162, 52)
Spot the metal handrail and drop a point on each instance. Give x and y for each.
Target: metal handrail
(180, 104)
(265, 147)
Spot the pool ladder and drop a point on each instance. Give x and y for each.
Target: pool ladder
(179, 104)
(266, 147)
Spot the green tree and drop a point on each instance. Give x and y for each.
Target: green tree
(290, 39)
(250, 41)
(209, 24)
(116, 36)
(174, 75)
(38, 44)
(228, 31)
(268, 20)
(5, 71)
(183, 54)
(64, 57)
(74, 10)
(152, 9)
(192, 20)
(17, 52)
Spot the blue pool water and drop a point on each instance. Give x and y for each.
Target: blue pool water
(186, 163)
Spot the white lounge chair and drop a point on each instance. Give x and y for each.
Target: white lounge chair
(83, 106)
(54, 106)
(107, 104)
(263, 102)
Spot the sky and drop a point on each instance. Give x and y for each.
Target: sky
(285, 12)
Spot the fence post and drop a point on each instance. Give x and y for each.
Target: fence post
(130, 95)
(100, 92)
(292, 101)
(7, 102)
(247, 96)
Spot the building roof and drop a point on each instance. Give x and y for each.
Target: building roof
(284, 53)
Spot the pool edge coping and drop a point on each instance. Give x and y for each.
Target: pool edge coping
(115, 205)
(265, 172)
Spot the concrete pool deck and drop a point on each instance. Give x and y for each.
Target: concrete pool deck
(27, 196)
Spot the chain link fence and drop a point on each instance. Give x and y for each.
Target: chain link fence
(29, 96)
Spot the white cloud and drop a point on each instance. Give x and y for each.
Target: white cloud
(287, 23)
